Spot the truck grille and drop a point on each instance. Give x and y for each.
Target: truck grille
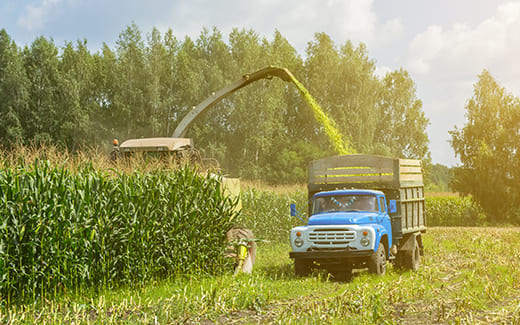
(331, 237)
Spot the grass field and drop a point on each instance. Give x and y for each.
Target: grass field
(469, 276)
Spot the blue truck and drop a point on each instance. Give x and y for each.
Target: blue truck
(364, 210)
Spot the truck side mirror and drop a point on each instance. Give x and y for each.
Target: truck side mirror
(293, 210)
(392, 208)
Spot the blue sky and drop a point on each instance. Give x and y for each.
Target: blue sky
(443, 44)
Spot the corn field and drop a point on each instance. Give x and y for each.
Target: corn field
(267, 213)
(64, 230)
(453, 211)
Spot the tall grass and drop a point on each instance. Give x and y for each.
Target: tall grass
(453, 211)
(267, 213)
(61, 230)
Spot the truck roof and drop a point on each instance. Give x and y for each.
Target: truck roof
(348, 192)
(156, 144)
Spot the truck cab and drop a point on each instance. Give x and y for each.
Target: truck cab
(358, 218)
(363, 211)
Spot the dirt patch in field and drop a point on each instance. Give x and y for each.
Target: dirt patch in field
(238, 317)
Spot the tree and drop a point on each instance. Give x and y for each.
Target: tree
(188, 80)
(172, 93)
(346, 87)
(214, 63)
(298, 117)
(290, 148)
(439, 178)
(105, 117)
(250, 120)
(156, 89)
(321, 79)
(13, 90)
(488, 146)
(401, 123)
(77, 100)
(359, 93)
(42, 120)
(129, 101)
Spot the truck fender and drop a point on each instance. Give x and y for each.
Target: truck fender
(408, 242)
(380, 233)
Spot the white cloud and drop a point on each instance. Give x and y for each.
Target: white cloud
(388, 32)
(445, 62)
(297, 20)
(342, 19)
(460, 49)
(35, 17)
(381, 71)
(425, 48)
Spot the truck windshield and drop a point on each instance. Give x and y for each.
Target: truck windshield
(345, 203)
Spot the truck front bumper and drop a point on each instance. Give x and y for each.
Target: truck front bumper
(331, 254)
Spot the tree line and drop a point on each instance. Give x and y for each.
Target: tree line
(145, 85)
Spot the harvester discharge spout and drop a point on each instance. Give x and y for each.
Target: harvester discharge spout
(265, 73)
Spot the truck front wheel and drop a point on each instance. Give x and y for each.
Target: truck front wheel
(377, 262)
(302, 267)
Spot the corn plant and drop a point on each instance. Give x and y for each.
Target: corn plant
(453, 211)
(62, 230)
(267, 213)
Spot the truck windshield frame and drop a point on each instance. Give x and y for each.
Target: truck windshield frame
(345, 203)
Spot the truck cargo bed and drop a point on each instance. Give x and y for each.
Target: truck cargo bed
(400, 179)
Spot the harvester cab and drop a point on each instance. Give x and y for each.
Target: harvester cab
(177, 150)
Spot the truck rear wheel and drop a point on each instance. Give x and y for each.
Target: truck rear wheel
(412, 259)
(377, 262)
(302, 267)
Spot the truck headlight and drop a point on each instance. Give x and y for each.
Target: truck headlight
(365, 241)
(298, 242)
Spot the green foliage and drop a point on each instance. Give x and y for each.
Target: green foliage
(488, 147)
(61, 231)
(402, 123)
(453, 211)
(13, 89)
(42, 120)
(439, 178)
(345, 85)
(145, 85)
(267, 213)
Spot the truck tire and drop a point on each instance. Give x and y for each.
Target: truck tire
(302, 267)
(412, 260)
(235, 235)
(377, 262)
